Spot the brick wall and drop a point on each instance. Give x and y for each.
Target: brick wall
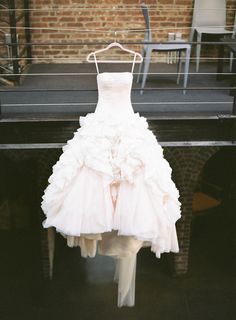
(186, 163)
(70, 20)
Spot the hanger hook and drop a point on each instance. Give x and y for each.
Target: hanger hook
(115, 36)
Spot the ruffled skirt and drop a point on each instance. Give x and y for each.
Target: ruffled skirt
(112, 186)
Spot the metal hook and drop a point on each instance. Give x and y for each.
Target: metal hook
(115, 36)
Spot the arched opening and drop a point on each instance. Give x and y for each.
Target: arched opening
(212, 244)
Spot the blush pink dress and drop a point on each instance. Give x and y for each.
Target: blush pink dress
(111, 190)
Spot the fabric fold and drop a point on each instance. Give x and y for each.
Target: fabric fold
(128, 184)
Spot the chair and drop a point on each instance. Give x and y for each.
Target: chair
(209, 17)
(149, 48)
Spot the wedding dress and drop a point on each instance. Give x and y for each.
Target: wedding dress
(111, 190)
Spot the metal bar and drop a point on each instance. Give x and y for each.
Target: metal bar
(162, 143)
(20, 17)
(71, 118)
(150, 117)
(108, 42)
(94, 103)
(220, 62)
(22, 53)
(5, 81)
(12, 20)
(126, 7)
(118, 7)
(27, 30)
(95, 90)
(153, 59)
(58, 74)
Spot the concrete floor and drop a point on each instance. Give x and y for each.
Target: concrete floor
(83, 289)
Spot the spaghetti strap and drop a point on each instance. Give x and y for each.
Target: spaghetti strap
(132, 70)
(96, 63)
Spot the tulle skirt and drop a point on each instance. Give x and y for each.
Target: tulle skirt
(112, 175)
(112, 186)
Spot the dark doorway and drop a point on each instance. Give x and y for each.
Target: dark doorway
(213, 237)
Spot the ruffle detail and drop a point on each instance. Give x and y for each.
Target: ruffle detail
(125, 154)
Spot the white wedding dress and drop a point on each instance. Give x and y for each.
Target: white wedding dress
(111, 190)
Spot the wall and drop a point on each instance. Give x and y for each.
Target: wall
(186, 162)
(70, 20)
(90, 20)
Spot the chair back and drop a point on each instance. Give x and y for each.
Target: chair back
(148, 33)
(209, 13)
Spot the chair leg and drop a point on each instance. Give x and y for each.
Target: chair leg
(198, 51)
(141, 66)
(231, 61)
(139, 71)
(146, 68)
(179, 67)
(192, 34)
(186, 68)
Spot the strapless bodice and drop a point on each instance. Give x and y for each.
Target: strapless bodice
(114, 94)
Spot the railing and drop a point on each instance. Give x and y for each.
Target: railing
(22, 51)
(20, 89)
(18, 50)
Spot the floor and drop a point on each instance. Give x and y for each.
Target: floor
(78, 100)
(83, 289)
